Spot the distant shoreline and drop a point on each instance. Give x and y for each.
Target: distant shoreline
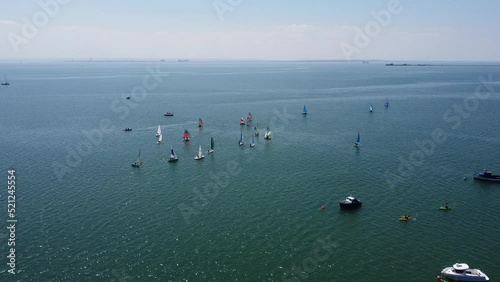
(387, 63)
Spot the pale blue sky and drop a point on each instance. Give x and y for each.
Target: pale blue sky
(258, 29)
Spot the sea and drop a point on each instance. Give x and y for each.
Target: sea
(267, 213)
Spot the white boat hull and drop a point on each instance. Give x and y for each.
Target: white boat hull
(469, 275)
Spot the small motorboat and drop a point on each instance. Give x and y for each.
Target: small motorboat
(350, 203)
(128, 97)
(168, 114)
(445, 208)
(127, 129)
(461, 272)
(404, 218)
(488, 176)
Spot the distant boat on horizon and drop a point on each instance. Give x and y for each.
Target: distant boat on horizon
(371, 108)
(200, 123)
(242, 121)
(357, 143)
(386, 102)
(253, 142)
(304, 111)
(5, 82)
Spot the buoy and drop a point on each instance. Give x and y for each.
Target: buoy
(323, 208)
(438, 278)
(465, 178)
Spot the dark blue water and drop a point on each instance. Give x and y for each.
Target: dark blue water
(84, 214)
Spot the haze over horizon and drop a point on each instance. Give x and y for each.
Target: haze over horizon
(251, 30)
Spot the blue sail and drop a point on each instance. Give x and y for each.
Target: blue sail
(241, 137)
(305, 110)
(358, 138)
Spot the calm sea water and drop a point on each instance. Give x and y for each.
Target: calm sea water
(241, 214)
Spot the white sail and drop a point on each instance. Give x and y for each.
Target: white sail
(160, 138)
(199, 156)
(158, 132)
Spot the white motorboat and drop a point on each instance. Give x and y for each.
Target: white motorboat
(460, 272)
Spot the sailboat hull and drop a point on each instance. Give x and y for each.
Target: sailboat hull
(210, 151)
(172, 160)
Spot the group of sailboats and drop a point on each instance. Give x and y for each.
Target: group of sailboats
(386, 104)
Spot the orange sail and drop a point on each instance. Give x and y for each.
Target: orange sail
(186, 136)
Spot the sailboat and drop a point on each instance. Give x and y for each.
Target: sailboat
(256, 133)
(241, 142)
(186, 136)
(386, 102)
(242, 121)
(371, 108)
(158, 131)
(5, 82)
(267, 136)
(253, 142)
(137, 163)
(173, 156)
(304, 111)
(211, 150)
(160, 139)
(199, 156)
(200, 123)
(249, 119)
(357, 143)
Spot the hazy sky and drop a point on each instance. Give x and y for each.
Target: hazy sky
(251, 29)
